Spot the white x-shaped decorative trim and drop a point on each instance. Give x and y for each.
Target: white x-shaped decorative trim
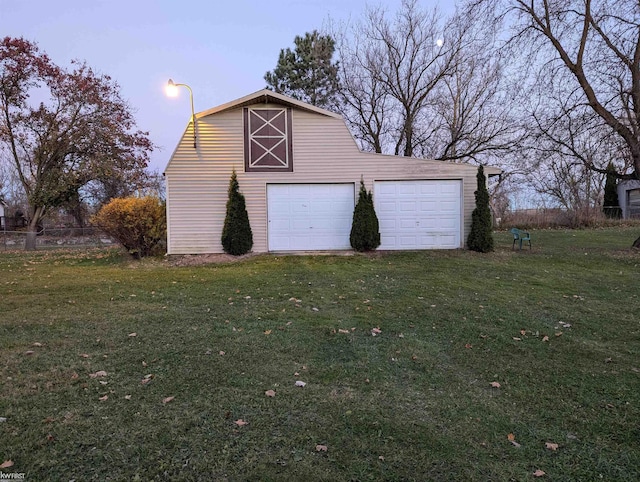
(258, 139)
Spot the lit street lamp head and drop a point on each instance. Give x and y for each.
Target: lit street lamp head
(171, 89)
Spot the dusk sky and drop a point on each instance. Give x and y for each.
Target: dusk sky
(222, 49)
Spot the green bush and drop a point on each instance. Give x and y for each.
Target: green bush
(481, 238)
(365, 230)
(138, 223)
(237, 238)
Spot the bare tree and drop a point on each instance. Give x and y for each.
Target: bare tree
(474, 114)
(415, 58)
(11, 191)
(390, 68)
(595, 46)
(565, 142)
(364, 101)
(417, 84)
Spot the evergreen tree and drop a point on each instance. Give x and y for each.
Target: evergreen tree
(237, 237)
(307, 74)
(480, 238)
(611, 203)
(365, 231)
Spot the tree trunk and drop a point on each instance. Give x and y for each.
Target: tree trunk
(30, 241)
(636, 243)
(32, 228)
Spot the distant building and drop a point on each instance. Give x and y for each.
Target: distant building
(629, 198)
(2, 214)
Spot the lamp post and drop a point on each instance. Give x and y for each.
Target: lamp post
(172, 91)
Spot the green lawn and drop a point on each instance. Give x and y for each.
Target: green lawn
(558, 328)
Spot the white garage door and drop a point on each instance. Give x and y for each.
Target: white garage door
(418, 214)
(309, 216)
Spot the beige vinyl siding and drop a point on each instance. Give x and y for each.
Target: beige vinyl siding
(323, 152)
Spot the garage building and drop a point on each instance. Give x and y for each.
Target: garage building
(299, 169)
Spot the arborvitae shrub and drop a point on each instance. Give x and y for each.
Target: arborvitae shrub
(481, 238)
(365, 230)
(611, 204)
(138, 223)
(237, 238)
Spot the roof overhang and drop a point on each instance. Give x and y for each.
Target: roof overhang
(491, 171)
(266, 96)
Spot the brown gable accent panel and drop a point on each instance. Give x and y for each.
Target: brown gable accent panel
(268, 144)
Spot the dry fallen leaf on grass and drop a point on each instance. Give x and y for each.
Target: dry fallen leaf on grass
(517, 339)
(240, 423)
(84, 355)
(37, 344)
(168, 399)
(512, 439)
(375, 331)
(270, 393)
(495, 384)
(300, 383)
(321, 448)
(132, 334)
(6, 464)
(98, 374)
(127, 397)
(539, 473)
(468, 345)
(545, 338)
(340, 330)
(551, 445)
(146, 379)
(104, 399)
(268, 332)
(29, 352)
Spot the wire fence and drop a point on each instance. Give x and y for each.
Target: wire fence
(56, 238)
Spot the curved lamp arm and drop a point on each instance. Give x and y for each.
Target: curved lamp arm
(171, 84)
